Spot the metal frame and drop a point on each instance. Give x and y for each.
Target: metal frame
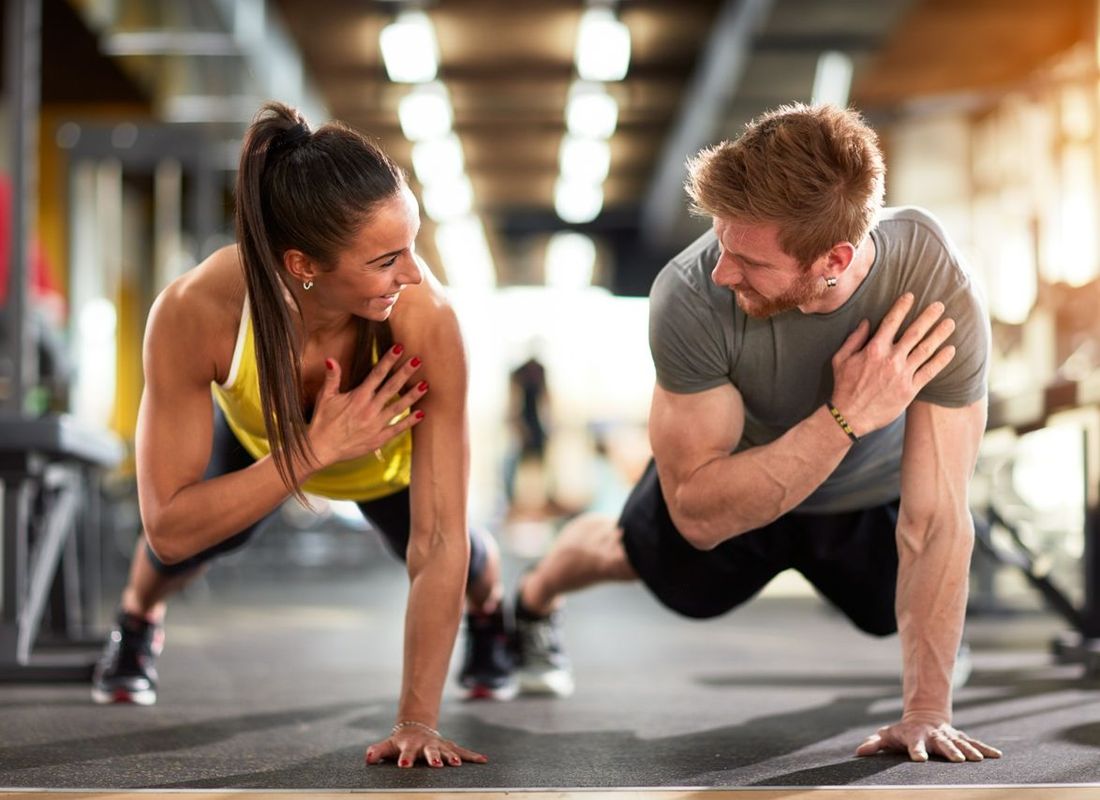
(1023, 414)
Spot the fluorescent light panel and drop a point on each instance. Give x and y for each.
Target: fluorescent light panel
(584, 160)
(833, 78)
(437, 160)
(425, 112)
(450, 199)
(591, 112)
(603, 46)
(409, 48)
(577, 201)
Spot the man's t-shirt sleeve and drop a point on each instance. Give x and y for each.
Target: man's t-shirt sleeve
(685, 337)
(963, 380)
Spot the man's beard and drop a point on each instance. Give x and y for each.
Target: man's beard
(806, 288)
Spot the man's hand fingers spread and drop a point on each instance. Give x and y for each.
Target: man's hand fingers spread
(856, 339)
(970, 751)
(870, 746)
(983, 748)
(933, 366)
(931, 343)
(919, 327)
(888, 328)
(942, 744)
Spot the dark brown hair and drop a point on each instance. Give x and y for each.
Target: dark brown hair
(310, 191)
(815, 171)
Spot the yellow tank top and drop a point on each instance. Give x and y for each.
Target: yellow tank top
(359, 479)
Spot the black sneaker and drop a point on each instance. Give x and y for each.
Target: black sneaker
(487, 671)
(541, 664)
(127, 672)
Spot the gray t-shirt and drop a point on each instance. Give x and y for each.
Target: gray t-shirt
(700, 339)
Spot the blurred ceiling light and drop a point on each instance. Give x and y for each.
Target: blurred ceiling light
(591, 112)
(464, 251)
(425, 112)
(603, 46)
(437, 160)
(584, 160)
(833, 78)
(570, 260)
(409, 48)
(577, 201)
(448, 199)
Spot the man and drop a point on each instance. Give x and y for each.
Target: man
(804, 384)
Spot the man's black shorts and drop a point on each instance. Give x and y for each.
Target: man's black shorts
(850, 557)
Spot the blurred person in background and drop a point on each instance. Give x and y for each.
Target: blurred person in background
(291, 363)
(528, 398)
(809, 414)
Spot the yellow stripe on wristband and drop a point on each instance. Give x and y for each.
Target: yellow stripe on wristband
(843, 423)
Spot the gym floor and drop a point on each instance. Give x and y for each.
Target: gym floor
(276, 678)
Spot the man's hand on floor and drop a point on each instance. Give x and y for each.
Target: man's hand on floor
(921, 739)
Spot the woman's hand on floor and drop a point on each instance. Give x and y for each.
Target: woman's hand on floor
(413, 743)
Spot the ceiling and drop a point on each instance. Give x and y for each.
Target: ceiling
(698, 70)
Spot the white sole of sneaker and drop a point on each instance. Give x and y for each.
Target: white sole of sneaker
(558, 684)
(146, 697)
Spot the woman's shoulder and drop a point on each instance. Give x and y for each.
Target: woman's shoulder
(201, 309)
(207, 290)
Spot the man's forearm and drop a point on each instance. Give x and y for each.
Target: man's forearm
(739, 493)
(933, 571)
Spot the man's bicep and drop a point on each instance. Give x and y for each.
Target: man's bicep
(688, 431)
(941, 448)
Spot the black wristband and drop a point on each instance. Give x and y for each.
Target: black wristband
(843, 423)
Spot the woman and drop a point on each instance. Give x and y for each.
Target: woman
(309, 334)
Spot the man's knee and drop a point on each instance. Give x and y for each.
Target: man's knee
(598, 540)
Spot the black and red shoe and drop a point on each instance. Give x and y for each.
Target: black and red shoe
(488, 669)
(127, 671)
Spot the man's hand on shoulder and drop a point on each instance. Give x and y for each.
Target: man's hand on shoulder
(875, 378)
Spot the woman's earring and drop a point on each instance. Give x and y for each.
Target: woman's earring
(307, 285)
(830, 281)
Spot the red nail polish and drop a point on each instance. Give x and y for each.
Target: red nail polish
(330, 364)
(403, 763)
(419, 415)
(398, 349)
(415, 362)
(422, 386)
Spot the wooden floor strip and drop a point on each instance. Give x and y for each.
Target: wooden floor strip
(1021, 792)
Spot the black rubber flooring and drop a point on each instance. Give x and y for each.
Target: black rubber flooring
(277, 679)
